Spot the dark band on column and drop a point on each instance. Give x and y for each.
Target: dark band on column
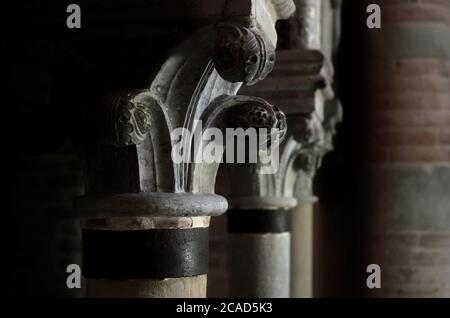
(145, 254)
(259, 221)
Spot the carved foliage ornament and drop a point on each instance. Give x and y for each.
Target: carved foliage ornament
(129, 122)
(242, 54)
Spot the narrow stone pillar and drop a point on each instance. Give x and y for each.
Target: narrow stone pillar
(302, 254)
(407, 98)
(315, 28)
(302, 240)
(259, 226)
(302, 257)
(259, 252)
(301, 85)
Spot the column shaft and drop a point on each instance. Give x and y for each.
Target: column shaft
(259, 253)
(302, 250)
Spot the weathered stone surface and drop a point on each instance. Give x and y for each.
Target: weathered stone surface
(259, 265)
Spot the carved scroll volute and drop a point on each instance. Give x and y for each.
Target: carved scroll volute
(244, 49)
(242, 54)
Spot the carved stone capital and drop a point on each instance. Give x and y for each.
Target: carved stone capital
(195, 86)
(137, 181)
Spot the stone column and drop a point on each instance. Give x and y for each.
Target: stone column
(302, 254)
(145, 217)
(302, 260)
(407, 98)
(301, 84)
(260, 248)
(301, 283)
(259, 231)
(317, 29)
(259, 243)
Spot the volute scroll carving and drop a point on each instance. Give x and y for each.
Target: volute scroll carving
(242, 54)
